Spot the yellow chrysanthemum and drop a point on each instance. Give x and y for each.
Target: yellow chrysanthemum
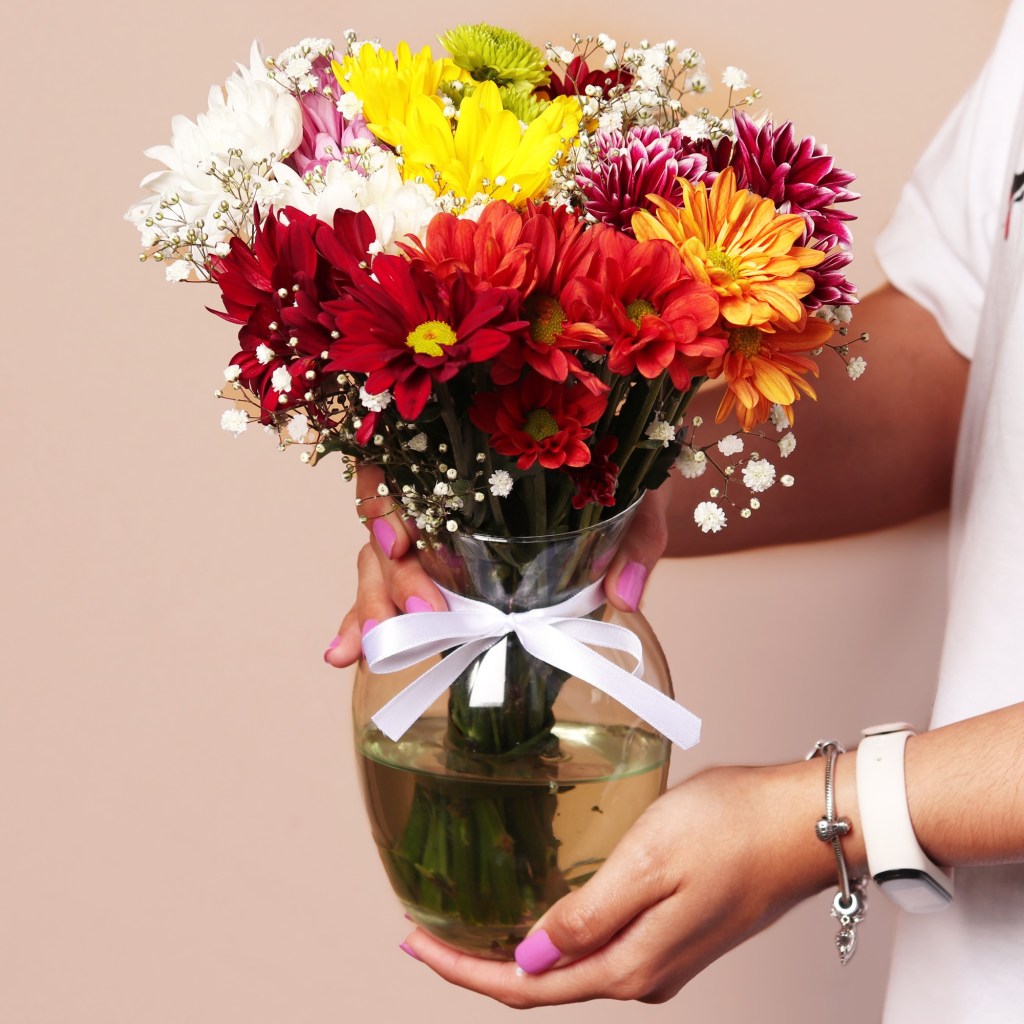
(738, 243)
(489, 150)
(387, 83)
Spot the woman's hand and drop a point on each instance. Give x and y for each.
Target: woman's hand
(709, 864)
(391, 578)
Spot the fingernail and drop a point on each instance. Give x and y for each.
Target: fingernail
(406, 948)
(368, 625)
(630, 584)
(385, 534)
(330, 647)
(417, 604)
(536, 953)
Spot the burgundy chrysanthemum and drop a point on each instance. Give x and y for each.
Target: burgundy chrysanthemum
(628, 168)
(277, 289)
(408, 329)
(797, 175)
(578, 78)
(830, 284)
(596, 481)
(539, 420)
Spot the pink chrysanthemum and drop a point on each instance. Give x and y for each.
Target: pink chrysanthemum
(629, 168)
(830, 284)
(326, 135)
(797, 175)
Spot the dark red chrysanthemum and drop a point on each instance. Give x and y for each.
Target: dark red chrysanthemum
(657, 316)
(277, 289)
(626, 169)
(798, 175)
(408, 329)
(597, 480)
(579, 77)
(539, 420)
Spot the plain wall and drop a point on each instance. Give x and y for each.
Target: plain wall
(181, 834)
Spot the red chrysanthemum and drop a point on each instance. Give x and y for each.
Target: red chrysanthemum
(657, 316)
(408, 329)
(597, 480)
(626, 169)
(543, 253)
(797, 175)
(277, 289)
(579, 77)
(539, 420)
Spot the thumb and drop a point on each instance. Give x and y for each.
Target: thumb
(643, 545)
(628, 883)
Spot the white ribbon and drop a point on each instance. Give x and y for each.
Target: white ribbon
(560, 636)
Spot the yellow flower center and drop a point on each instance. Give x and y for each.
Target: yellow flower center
(746, 341)
(547, 318)
(431, 338)
(540, 424)
(638, 309)
(719, 258)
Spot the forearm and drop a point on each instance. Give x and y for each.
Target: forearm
(872, 453)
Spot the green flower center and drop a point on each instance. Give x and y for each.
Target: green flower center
(746, 341)
(719, 258)
(638, 309)
(540, 425)
(431, 338)
(547, 318)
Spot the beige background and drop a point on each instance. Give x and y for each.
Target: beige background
(181, 837)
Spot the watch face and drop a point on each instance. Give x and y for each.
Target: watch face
(914, 891)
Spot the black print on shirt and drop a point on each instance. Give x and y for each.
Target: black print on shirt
(1016, 195)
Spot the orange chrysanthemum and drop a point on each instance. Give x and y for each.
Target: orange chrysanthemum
(737, 242)
(764, 367)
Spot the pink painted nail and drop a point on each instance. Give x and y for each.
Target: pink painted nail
(537, 953)
(406, 948)
(385, 534)
(417, 604)
(330, 647)
(630, 584)
(368, 625)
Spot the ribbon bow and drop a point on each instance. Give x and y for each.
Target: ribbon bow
(560, 636)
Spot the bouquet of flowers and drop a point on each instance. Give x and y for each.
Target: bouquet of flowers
(502, 274)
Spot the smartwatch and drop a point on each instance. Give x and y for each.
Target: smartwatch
(899, 866)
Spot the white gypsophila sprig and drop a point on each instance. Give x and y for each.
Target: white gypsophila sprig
(297, 427)
(235, 421)
(787, 444)
(731, 444)
(659, 430)
(758, 475)
(374, 402)
(709, 516)
(500, 483)
(856, 367)
(691, 462)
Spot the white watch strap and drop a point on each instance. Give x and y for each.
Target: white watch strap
(895, 858)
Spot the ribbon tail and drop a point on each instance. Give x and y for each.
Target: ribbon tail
(404, 708)
(659, 711)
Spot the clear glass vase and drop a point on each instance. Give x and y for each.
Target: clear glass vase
(484, 817)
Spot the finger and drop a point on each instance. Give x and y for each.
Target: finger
(641, 548)
(379, 510)
(634, 878)
(373, 605)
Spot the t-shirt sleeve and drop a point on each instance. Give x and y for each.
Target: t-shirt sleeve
(938, 246)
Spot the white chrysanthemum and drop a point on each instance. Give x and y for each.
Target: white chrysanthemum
(731, 444)
(735, 78)
(281, 380)
(264, 354)
(787, 444)
(251, 113)
(659, 430)
(375, 403)
(417, 443)
(856, 367)
(758, 475)
(500, 482)
(235, 421)
(709, 517)
(691, 462)
(780, 418)
(298, 427)
(232, 372)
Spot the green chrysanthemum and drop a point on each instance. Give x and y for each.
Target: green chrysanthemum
(524, 105)
(492, 54)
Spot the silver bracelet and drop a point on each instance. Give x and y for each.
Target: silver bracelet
(850, 902)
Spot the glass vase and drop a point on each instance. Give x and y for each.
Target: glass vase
(485, 816)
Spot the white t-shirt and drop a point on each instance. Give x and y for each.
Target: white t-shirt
(956, 245)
